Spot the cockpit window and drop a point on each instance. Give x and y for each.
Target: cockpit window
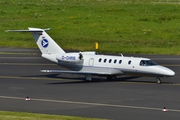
(147, 63)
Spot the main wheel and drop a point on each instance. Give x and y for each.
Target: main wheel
(109, 77)
(88, 78)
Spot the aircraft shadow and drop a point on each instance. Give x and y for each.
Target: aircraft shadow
(130, 79)
(81, 79)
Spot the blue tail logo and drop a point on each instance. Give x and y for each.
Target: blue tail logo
(44, 43)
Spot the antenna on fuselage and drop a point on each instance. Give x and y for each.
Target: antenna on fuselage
(121, 54)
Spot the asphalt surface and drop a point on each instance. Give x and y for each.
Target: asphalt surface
(125, 98)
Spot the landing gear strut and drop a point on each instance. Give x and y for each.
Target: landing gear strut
(110, 77)
(88, 77)
(158, 81)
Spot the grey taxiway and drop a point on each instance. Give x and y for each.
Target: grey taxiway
(68, 94)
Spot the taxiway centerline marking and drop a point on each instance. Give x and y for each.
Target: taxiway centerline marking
(89, 103)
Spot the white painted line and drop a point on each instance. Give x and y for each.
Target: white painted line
(88, 103)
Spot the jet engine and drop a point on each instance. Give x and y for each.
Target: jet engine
(89, 53)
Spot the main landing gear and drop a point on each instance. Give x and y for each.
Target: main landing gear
(158, 80)
(110, 77)
(88, 77)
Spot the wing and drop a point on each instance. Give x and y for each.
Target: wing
(82, 72)
(73, 72)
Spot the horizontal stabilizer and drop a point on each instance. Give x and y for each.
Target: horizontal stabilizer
(34, 30)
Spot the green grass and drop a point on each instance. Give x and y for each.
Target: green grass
(120, 26)
(4, 115)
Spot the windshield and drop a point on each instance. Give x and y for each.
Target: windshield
(147, 63)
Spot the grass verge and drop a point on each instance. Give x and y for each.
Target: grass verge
(4, 115)
(125, 26)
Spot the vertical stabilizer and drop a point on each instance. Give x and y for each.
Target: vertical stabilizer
(45, 43)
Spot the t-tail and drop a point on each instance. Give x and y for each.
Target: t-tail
(48, 47)
(45, 43)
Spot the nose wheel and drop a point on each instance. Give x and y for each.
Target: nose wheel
(158, 81)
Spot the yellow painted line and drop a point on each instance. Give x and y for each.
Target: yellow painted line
(35, 78)
(146, 83)
(172, 65)
(91, 104)
(26, 64)
(14, 53)
(73, 80)
(176, 65)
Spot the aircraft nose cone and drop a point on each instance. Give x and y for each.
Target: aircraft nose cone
(167, 72)
(171, 73)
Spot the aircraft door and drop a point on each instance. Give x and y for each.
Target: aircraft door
(131, 65)
(91, 61)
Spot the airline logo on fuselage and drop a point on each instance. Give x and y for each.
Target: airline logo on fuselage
(44, 43)
(68, 58)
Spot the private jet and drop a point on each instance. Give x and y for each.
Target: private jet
(91, 63)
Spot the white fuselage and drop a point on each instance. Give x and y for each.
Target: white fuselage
(118, 65)
(112, 65)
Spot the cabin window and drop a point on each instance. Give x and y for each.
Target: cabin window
(129, 62)
(100, 60)
(147, 63)
(115, 61)
(110, 60)
(120, 61)
(105, 60)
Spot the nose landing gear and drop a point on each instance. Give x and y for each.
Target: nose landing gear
(158, 81)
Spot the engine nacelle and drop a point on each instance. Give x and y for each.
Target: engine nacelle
(90, 53)
(70, 57)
